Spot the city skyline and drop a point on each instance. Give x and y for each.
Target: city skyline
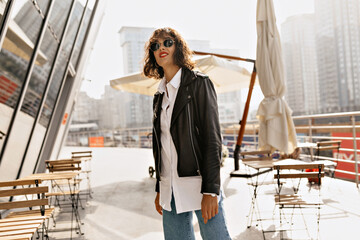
(231, 25)
(322, 55)
(119, 109)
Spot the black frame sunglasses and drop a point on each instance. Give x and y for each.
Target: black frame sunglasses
(167, 43)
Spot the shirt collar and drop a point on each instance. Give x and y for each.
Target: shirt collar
(175, 82)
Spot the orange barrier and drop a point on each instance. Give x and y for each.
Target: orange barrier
(96, 141)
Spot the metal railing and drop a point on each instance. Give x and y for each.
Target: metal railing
(322, 127)
(123, 137)
(345, 123)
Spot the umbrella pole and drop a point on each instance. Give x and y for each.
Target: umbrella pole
(243, 121)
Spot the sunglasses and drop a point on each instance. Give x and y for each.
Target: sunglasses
(167, 43)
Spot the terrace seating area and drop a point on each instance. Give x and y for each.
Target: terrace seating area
(33, 205)
(123, 203)
(119, 204)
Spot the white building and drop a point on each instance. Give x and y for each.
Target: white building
(299, 45)
(138, 108)
(87, 109)
(338, 53)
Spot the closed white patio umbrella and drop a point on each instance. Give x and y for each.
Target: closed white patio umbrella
(277, 131)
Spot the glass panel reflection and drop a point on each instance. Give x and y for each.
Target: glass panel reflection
(15, 53)
(34, 95)
(42, 5)
(23, 31)
(82, 33)
(60, 66)
(58, 17)
(2, 8)
(40, 76)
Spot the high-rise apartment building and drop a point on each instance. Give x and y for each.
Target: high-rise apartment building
(322, 58)
(338, 54)
(132, 41)
(87, 109)
(138, 109)
(299, 48)
(113, 109)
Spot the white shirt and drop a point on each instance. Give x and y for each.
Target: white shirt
(186, 190)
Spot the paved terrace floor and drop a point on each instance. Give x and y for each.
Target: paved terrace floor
(123, 203)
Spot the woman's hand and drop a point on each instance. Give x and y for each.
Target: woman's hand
(157, 204)
(209, 207)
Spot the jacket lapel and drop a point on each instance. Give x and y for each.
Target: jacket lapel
(183, 96)
(157, 109)
(180, 102)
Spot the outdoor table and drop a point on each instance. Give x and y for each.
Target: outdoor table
(55, 176)
(290, 161)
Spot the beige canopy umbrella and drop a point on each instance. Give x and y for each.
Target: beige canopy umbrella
(226, 76)
(277, 129)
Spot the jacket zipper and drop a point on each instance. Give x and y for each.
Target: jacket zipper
(159, 153)
(192, 142)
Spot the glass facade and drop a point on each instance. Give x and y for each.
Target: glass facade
(43, 30)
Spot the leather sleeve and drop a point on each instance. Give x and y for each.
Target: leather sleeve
(157, 186)
(210, 135)
(154, 144)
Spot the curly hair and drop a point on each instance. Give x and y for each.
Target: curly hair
(182, 54)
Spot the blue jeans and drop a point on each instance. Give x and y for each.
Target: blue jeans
(179, 226)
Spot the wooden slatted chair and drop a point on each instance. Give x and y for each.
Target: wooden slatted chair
(327, 148)
(259, 159)
(22, 224)
(63, 165)
(66, 189)
(85, 157)
(256, 163)
(62, 187)
(294, 169)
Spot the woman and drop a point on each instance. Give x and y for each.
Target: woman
(186, 141)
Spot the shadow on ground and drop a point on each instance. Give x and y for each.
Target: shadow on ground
(133, 196)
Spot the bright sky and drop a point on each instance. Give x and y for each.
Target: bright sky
(226, 24)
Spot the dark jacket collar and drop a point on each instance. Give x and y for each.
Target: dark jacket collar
(187, 76)
(182, 98)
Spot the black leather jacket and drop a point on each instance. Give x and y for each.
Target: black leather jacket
(195, 130)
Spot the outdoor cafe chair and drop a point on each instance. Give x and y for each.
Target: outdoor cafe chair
(70, 195)
(256, 163)
(327, 148)
(296, 200)
(85, 157)
(66, 187)
(63, 187)
(22, 223)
